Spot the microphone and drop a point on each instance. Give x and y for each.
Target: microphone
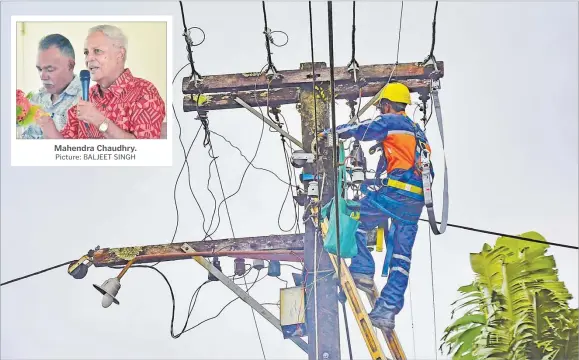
(84, 82)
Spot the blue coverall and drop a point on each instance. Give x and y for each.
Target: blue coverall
(397, 134)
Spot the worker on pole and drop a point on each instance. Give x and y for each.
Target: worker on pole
(398, 197)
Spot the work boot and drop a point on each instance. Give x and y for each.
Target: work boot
(382, 317)
(364, 282)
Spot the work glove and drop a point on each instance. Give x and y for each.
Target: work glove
(320, 137)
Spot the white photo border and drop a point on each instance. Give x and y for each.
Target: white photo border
(148, 152)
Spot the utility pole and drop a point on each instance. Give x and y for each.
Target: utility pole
(295, 87)
(325, 334)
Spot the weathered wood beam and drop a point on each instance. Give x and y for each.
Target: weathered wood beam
(299, 78)
(285, 96)
(223, 101)
(171, 252)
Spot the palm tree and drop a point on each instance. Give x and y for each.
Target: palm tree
(515, 309)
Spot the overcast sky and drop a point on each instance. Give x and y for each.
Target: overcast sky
(509, 101)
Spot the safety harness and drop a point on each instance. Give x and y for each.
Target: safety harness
(422, 167)
(426, 170)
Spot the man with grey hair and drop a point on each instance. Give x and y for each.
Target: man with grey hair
(61, 88)
(120, 106)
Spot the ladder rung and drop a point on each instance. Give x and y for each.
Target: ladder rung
(360, 314)
(359, 311)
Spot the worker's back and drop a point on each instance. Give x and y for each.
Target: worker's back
(399, 146)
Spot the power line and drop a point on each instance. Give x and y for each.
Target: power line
(509, 236)
(188, 42)
(37, 273)
(335, 164)
(468, 228)
(431, 55)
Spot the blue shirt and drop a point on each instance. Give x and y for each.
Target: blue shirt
(58, 110)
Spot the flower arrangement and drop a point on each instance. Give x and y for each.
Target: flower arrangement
(26, 113)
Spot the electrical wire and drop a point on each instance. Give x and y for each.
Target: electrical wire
(192, 301)
(247, 160)
(393, 69)
(255, 320)
(38, 272)
(194, 73)
(267, 33)
(334, 135)
(251, 161)
(214, 159)
(335, 163)
(233, 235)
(223, 192)
(204, 123)
(320, 187)
(399, 31)
(515, 237)
(185, 163)
(287, 159)
(431, 54)
(293, 267)
(222, 309)
(522, 238)
(353, 64)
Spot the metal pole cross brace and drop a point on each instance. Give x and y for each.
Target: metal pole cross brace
(243, 295)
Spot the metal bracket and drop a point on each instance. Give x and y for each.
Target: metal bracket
(354, 68)
(79, 269)
(272, 124)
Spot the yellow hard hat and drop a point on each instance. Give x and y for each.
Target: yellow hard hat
(395, 92)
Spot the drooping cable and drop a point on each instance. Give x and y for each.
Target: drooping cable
(185, 163)
(223, 308)
(202, 116)
(277, 112)
(223, 192)
(254, 155)
(247, 160)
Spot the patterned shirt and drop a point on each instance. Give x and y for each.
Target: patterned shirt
(58, 110)
(133, 104)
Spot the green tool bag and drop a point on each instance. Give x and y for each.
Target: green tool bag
(348, 219)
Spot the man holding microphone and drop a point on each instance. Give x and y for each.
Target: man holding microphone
(119, 106)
